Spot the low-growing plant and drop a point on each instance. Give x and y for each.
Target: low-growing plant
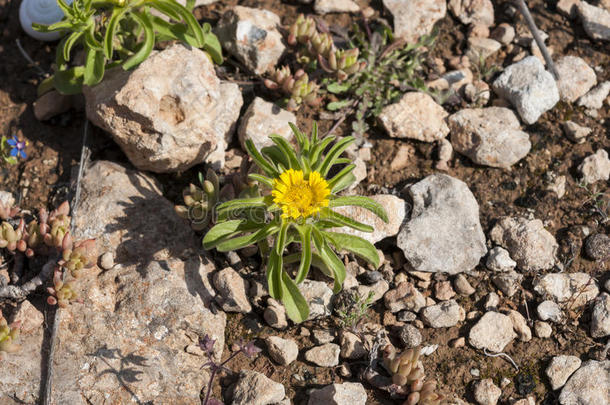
(353, 312)
(119, 33)
(298, 202)
(8, 336)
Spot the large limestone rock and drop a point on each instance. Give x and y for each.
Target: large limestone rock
(414, 18)
(262, 119)
(589, 385)
(444, 233)
(168, 114)
(577, 289)
(576, 78)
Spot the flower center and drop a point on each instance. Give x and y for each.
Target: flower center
(298, 197)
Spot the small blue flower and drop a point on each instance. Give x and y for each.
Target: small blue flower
(17, 147)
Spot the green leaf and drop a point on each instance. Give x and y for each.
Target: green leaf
(260, 161)
(296, 306)
(94, 67)
(346, 171)
(147, 45)
(274, 154)
(333, 154)
(241, 204)
(247, 240)
(62, 25)
(305, 234)
(261, 179)
(226, 229)
(360, 201)
(344, 183)
(274, 275)
(354, 244)
(337, 105)
(342, 220)
(69, 81)
(167, 30)
(184, 14)
(69, 43)
(113, 23)
(336, 88)
(330, 259)
(300, 137)
(319, 147)
(288, 151)
(166, 9)
(212, 46)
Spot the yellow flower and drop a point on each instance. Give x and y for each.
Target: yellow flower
(300, 198)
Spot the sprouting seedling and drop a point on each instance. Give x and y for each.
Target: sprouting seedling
(199, 202)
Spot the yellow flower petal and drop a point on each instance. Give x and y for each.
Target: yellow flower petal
(297, 197)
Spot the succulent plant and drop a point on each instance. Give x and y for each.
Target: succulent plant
(303, 29)
(342, 62)
(297, 87)
(8, 336)
(77, 256)
(199, 202)
(7, 212)
(59, 223)
(9, 236)
(62, 293)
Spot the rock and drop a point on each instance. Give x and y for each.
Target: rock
(508, 282)
(283, 351)
(529, 244)
(347, 393)
(168, 114)
(404, 154)
(318, 295)
(394, 206)
(520, 325)
(378, 289)
(492, 302)
(557, 184)
(445, 152)
(529, 87)
(576, 78)
(444, 233)
(600, 317)
(107, 261)
(410, 336)
(443, 315)
(443, 290)
(351, 346)
(595, 167)
(322, 336)
(255, 388)
(324, 356)
(404, 296)
(415, 116)
(492, 332)
(412, 19)
(595, 21)
(588, 385)
(462, 286)
(457, 343)
(597, 246)
(481, 48)
(504, 33)
(543, 330)
(489, 136)
(475, 12)
(29, 317)
(549, 311)
(252, 36)
(275, 314)
(406, 316)
(575, 288)
(51, 104)
(486, 392)
(262, 119)
(560, 369)
(231, 289)
(575, 132)
(498, 259)
(335, 6)
(594, 99)
(7, 199)
(569, 8)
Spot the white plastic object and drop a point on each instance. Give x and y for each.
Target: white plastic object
(41, 12)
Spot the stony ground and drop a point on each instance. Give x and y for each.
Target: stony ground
(495, 258)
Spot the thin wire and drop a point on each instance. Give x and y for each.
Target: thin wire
(506, 356)
(27, 57)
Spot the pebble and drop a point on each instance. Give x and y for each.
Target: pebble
(588, 385)
(462, 286)
(595, 167)
(503, 33)
(458, 342)
(231, 288)
(557, 184)
(283, 351)
(443, 315)
(255, 388)
(335, 6)
(597, 246)
(348, 393)
(542, 329)
(412, 19)
(595, 21)
(443, 290)
(275, 314)
(445, 152)
(404, 296)
(576, 78)
(475, 12)
(529, 87)
(520, 325)
(261, 119)
(508, 282)
(569, 8)
(410, 336)
(406, 316)
(549, 311)
(351, 346)
(600, 316)
(107, 260)
(486, 392)
(498, 259)
(481, 48)
(492, 301)
(492, 332)
(575, 132)
(319, 298)
(577, 288)
(560, 368)
(594, 99)
(326, 355)
(323, 336)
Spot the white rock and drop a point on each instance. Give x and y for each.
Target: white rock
(498, 259)
(492, 301)
(560, 369)
(569, 8)
(404, 296)
(504, 33)
(549, 311)
(318, 295)
(351, 346)
(520, 325)
(262, 119)
(594, 99)
(588, 385)
(575, 132)
(412, 19)
(443, 315)
(529, 244)
(6, 198)
(106, 260)
(28, 316)
(394, 206)
(576, 77)
(529, 87)
(600, 317)
(231, 289)
(168, 114)
(252, 36)
(575, 288)
(492, 332)
(543, 330)
(595, 21)
(256, 388)
(347, 393)
(595, 167)
(476, 12)
(507, 282)
(335, 6)
(481, 48)
(486, 392)
(275, 314)
(462, 286)
(489, 136)
(415, 116)
(326, 355)
(284, 351)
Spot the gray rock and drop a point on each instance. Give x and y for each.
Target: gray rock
(252, 36)
(594, 99)
(489, 136)
(588, 385)
(275, 314)
(404, 296)
(529, 87)
(575, 132)
(595, 167)
(410, 336)
(443, 315)
(520, 325)
(560, 369)
(339, 394)
(595, 21)
(378, 289)
(443, 290)
(529, 244)
(444, 233)
(481, 48)
(412, 19)
(28, 316)
(493, 301)
(318, 296)
(335, 6)
(415, 116)
(486, 392)
(597, 246)
(255, 388)
(262, 119)
(351, 346)
(406, 316)
(576, 78)
(475, 12)
(168, 114)
(498, 259)
(543, 330)
(324, 356)
(322, 336)
(508, 282)
(283, 351)
(231, 289)
(575, 288)
(504, 33)
(600, 317)
(462, 286)
(492, 332)
(549, 311)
